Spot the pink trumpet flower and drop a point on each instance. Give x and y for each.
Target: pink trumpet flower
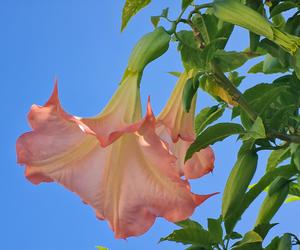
(176, 127)
(115, 161)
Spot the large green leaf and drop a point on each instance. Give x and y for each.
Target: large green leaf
(191, 56)
(193, 236)
(251, 241)
(274, 103)
(209, 84)
(130, 8)
(271, 65)
(276, 157)
(273, 244)
(188, 223)
(215, 229)
(212, 135)
(207, 116)
(263, 229)
(231, 60)
(257, 130)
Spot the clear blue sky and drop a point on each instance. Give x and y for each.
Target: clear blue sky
(80, 43)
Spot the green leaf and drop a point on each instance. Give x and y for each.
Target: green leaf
(130, 8)
(296, 63)
(212, 135)
(155, 20)
(274, 244)
(234, 77)
(185, 4)
(231, 60)
(285, 242)
(257, 68)
(251, 241)
(200, 25)
(295, 151)
(165, 12)
(292, 198)
(188, 223)
(284, 6)
(215, 229)
(208, 84)
(276, 157)
(234, 236)
(175, 73)
(207, 116)
(191, 56)
(263, 229)
(190, 89)
(194, 236)
(271, 65)
(294, 189)
(257, 130)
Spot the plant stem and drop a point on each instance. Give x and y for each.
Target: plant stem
(227, 85)
(285, 137)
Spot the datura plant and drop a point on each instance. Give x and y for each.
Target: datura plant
(132, 168)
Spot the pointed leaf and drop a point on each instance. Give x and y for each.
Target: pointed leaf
(194, 236)
(130, 8)
(215, 229)
(189, 224)
(251, 241)
(185, 4)
(276, 157)
(213, 134)
(257, 131)
(207, 116)
(263, 229)
(155, 20)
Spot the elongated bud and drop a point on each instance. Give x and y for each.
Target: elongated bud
(149, 47)
(273, 202)
(277, 184)
(236, 13)
(238, 182)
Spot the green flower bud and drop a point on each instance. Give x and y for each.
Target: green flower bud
(236, 13)
(273, 202)
(238, 182)
(149, 47)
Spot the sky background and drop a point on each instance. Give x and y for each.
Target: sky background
(80, 43)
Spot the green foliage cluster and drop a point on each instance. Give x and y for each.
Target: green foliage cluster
(268, 112)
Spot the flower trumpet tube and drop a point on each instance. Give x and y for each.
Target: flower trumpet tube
(176, 127)
(115, 161)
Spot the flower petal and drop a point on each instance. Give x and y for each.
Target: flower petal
(129, 183)
(200, 164)
(178, 123)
